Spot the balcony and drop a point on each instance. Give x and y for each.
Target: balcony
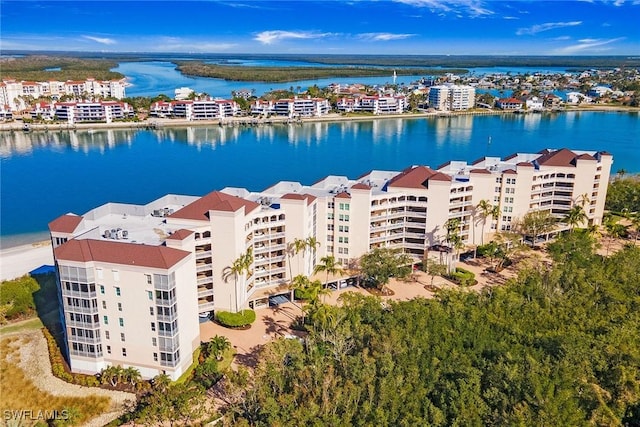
(168, 363)
(78, 294)
(168, 333)
(205, 280)
(416, 214)
(166, 318)
(84, 325)
(205, 306)
(83, 310)
(73, 352)
(203, 267)
(204, 292)
(203, 254)
(169, 346)
(85, 340)
(165, 302)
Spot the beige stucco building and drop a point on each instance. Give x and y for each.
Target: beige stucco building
(158, 266)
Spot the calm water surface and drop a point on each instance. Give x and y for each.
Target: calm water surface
(46, 174)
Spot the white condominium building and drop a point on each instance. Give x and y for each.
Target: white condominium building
(450, 97)
(131, 262)
(79, 112)
(374, 104)
(292, 107)
(11, 90)
(201, 109)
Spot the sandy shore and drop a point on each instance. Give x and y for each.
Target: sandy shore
(19, 260)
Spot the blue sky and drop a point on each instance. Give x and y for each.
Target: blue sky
(456, 27)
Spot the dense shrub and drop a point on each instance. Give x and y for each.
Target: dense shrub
(236, 320)
(463, 277)
(18, 293)
(58, 365)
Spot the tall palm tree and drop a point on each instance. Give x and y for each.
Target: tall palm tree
(614, 229)
(301, 283)
(312, 245)
(329, 265)
(453, 238)
(240, 266)
(486, 209)
(575, 216)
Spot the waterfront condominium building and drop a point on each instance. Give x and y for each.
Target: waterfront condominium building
(134, 278)
(450, 97)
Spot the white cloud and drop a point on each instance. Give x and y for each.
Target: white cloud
(472, 8)
(101, 40)
(593, 45)
(561, 38)
(377, 37)
(510, 17)
(535, 29)
(275, 36)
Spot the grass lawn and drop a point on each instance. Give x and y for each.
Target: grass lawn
(25, 325)
(21, 394)
(186, 375)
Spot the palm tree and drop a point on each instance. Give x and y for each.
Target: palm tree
(217, 346)
(486, 209)
(621, 173)
(583, 199)
(300, 283)
(575, 216)
(453, 237)
(614, 230)
(132, 375)
(239, 266)
(299, 245)
(312, 243)
(329, 265)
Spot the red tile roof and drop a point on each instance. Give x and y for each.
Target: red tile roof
(563, 157)
(361, 186)
(480, 171)
(510, 172)
(180, 234)
(524, 164)
(417, 177)
(65, 223)
(214, 201)
(119, 253)
(343, 195)
(292, 196)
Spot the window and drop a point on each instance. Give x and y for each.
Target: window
(148, 276)
(150, 295)
(496, 199)
(102, 289)
(151, 311)
(122, 336)
(331, 205)
(154, 341)
(497, 189)
(117, 291)
(344, 228)
(330, 227)
(330, 215)
(104, 305)
(155, 357)
(108, 349)
(100, 273)
(121, 321)
(116, 275)
(124, 352)
(106, 334)
(105, 319)
(330, 238)
(119, 306)
(153, 327)
(344, 206)
(329, 248)
(499, 180)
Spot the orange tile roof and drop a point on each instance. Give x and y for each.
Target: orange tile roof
(180, 234)
(214, 201)
(417, 177)
(343, 195)
(65, 223)
(524, 164)
(484, 171)
(119, 253)
(361, 186)
(292, 196)
(563, 157)
(510, 172)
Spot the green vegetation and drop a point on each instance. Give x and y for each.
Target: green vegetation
(16, 298)
(623, 195)
(20, 393)
(240, 319)
(286, 74)
(33, 67)
(381, 264)
(59, 366)
(557, 346)
(462, 277)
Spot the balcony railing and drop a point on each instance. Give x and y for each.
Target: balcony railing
(79, 294)
(84, 310)
(204, 292)
(86, 340)
(84, 325)
(205, 306)
(85, 353)
(166, 302)
(205, 280)
(168, 333)
(203, 254)
(172, 364)
(169, 347)
(166, 318)
(203, 267)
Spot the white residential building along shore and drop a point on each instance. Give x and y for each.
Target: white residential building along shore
(134, 278)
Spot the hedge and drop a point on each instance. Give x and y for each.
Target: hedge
(236, 320)
(19, 293)
(463, 277)
(58, 367)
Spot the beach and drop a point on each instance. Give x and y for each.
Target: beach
(20, 260)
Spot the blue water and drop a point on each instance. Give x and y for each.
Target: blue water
(44, 175)
(153, 78)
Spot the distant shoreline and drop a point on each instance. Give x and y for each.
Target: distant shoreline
(170, 123)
